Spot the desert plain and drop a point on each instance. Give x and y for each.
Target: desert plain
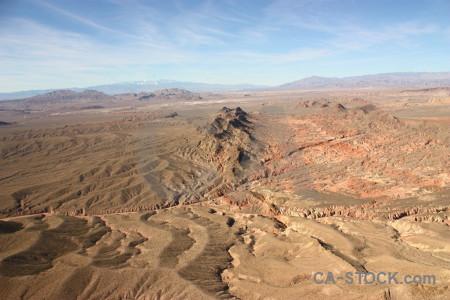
(244, 195)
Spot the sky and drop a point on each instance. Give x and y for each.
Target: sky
(48, 44)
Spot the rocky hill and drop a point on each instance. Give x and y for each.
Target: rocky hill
(61, 96)
(229, 139)
(169, 94)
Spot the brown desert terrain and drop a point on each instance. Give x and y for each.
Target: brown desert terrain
(180, 195)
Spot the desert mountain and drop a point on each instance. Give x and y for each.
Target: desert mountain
(169, 94)
(379, 80)
(229, 138)
(140, 87)
(149, 86)
(60, 99)
(68, 95)
(407, 80)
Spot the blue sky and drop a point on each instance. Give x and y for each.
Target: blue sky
(56, 44)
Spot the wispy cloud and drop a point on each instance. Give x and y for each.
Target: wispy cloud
(137, 37)
(356, 37)
(32, 48)
(277, 58)
(97, 26)
(344, 32)
(76, 17)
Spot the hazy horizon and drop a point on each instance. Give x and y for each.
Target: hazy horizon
(59, 44)
(166, 80)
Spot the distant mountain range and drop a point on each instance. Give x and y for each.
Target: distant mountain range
(149, 86)
(92, 98)
(139, 87)
(406, 80)
(413, 80)
(67, 95)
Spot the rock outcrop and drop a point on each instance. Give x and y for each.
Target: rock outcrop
(229, 139)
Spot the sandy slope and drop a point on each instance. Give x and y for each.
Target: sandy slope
(214, 202)
(196, 253)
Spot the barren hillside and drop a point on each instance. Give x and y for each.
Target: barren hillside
(228, 201)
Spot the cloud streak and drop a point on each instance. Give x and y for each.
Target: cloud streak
(137, 37)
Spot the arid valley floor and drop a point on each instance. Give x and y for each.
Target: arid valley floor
(178, 195)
